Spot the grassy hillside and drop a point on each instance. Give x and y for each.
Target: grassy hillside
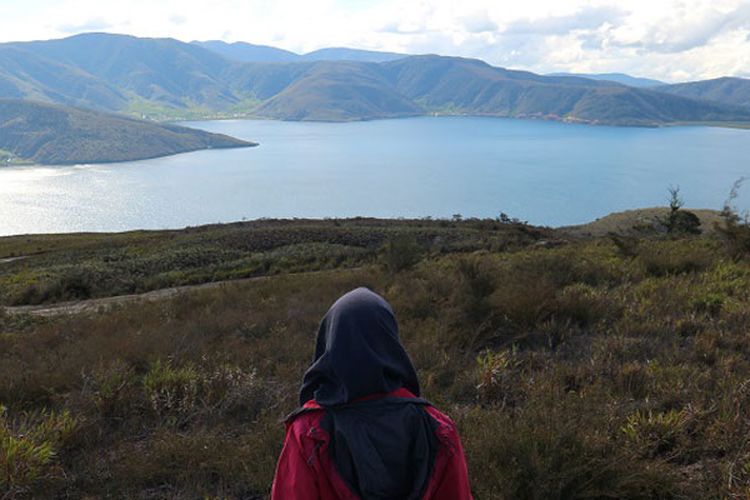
(734, 91)
(158, 69)
(474, 87)
(636, 222)
(50, 134)
(165, 78)
(69, 267)
(582, 368)
(27, 75)
(339, 92)
(7, 158)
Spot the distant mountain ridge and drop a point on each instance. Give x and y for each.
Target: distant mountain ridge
(247, 52)
(166, 78)
(622, 78)
(54, 134)
(728, 90)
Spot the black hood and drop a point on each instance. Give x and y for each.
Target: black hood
(357, 352)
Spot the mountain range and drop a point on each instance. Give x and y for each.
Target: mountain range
(169, 79)
(622, 78)
(53, 134)
(247, 52)
(726, 89)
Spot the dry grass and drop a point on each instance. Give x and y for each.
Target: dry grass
(572, 372)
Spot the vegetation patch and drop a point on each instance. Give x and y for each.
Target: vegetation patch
(574, 370)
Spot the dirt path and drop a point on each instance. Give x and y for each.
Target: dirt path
(97, 305)
(8, 260)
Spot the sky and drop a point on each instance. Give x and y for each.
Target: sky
(671, 40)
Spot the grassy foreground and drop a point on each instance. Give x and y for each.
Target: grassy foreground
(574, 367)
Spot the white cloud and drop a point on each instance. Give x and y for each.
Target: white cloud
(668, 39)
(479, 22)
(585, 19)
(96, 24)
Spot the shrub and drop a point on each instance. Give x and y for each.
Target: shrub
(173, 392)
(471, 308)
(401, 252)
(736, 227)
(554, 448)
(182, 395)
(523, 302)
(655, 434)
(679, 222)
(111, 388)
(709, 303)
(583, 305)
(499, 382)
(29, 447)
(669, 258)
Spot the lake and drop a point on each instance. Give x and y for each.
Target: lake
(543, 172)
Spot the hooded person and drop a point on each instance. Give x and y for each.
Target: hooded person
(362, 431)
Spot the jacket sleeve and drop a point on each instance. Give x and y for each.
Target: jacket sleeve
(454, 483)
(295, 479)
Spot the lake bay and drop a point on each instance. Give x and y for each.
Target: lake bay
(543, 172)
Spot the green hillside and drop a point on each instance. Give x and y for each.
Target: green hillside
(167, 79)
(339, 92)
(52, 134)
(734, 91)
(27, 75)
(473, 87)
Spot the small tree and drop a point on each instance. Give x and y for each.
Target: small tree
(736, 227)
(679, 221)
(675, 200)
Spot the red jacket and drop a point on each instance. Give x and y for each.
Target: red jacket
(306, 472)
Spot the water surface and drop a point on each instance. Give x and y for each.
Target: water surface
(544, 172)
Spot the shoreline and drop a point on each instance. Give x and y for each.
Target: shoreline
(598, 226)
(567, 120)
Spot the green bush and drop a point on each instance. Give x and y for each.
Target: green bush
(29, 447)
(181, 395)
(113, 389)
(710, 303)
(655, 434)
(583, 305)
(173, 392)
(669, 258)
(401, 252)
(499, 377)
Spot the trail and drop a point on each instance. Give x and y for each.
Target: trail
(8, 260)
(104, 303)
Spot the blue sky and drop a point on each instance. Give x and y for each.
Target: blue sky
(674, 40)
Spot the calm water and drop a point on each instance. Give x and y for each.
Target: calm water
(543, 172)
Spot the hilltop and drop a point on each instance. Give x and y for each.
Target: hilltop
(54, 134)
(166, 79)
(247, 52)
(622, 78)
(574, 367)
(638, 221)
(734, 91)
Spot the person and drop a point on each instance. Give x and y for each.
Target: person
(362, 431)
